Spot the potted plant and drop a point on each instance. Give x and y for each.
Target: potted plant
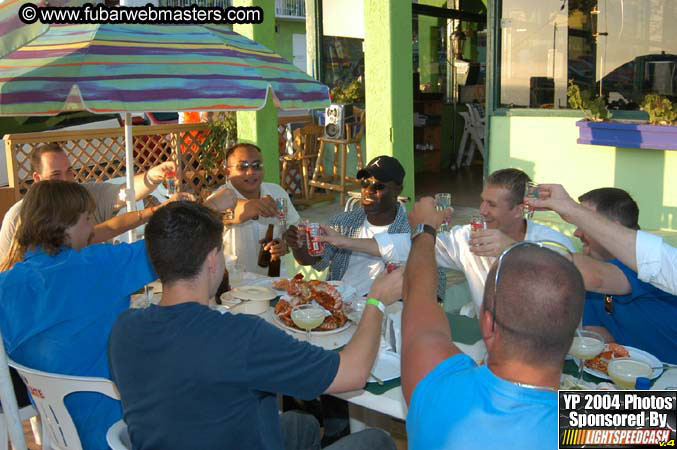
(596, 129)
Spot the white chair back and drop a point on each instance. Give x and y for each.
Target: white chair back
(11, 416)
(48, 391)
(117, 436)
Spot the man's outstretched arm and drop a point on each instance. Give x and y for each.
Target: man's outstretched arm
(426, 337)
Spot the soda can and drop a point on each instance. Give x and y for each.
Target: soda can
(315, 247)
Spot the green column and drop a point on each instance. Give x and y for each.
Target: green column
(388, 83)
(260, 127)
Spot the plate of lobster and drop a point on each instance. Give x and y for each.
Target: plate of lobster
(598, 365)
(299, 292)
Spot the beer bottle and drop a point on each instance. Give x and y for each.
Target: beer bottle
(264, 255)
(274, 265)
(223, 287)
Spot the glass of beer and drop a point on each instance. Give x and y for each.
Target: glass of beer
(442, 202)
(307, 317)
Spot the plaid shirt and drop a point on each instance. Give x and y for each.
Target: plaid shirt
(350, 224)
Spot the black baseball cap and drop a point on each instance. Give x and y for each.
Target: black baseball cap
(383, 168)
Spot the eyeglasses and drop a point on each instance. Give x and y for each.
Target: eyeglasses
(377, 185)
(256, 166)
(550, 245)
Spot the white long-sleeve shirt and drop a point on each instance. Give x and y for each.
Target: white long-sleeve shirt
(452, 251)
(656, 262)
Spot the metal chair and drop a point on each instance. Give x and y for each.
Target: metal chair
(118, 437)
(48, 391)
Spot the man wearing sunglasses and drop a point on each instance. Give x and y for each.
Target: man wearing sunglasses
(532, 304)
(380, 212)
(618, 304)
(255, 208)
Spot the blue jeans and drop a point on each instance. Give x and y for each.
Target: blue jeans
(302, 432)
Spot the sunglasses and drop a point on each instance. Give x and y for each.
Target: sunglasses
(376, 185)
(256, 166)
(550, 245)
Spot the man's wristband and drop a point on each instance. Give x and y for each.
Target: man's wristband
(376, 302)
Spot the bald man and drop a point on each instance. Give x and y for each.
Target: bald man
(527, 323)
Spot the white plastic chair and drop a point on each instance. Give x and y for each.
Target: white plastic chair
(48, 391)
(117, 436)
(24, 413)
(11, 415)
(473, 130)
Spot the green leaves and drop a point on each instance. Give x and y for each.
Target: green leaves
(593, 108)
(661, 110)
(221, 135)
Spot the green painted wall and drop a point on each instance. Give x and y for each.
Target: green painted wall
(260, 127)
(546, 148)
(283, 37)
(388, 83)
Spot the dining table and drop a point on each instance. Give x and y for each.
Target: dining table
(385, 397)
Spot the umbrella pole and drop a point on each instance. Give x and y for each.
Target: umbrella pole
(130, 197)
(9, 405)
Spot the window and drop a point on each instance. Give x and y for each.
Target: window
(621, 49)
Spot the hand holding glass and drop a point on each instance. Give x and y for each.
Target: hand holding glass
(442, 202)
(530, 191)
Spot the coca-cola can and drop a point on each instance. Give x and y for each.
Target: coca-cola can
(315, 247)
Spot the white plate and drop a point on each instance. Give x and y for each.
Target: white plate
(281, 324)
(635, 353)
(386, 367)
(253, 293)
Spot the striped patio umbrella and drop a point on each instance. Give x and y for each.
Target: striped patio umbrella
(45, 70)
(141, 68)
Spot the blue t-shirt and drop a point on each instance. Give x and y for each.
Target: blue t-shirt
(646, 318)
(461, 406)
(190, 377)
(56, 313)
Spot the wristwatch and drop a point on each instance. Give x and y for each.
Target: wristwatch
(423, 228)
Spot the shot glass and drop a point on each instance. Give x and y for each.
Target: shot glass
(281, 204)
(442, 202)
(530, 191)
(477, 223)
(170, 178)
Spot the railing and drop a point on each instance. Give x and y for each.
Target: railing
(295, 9)
(99, 154)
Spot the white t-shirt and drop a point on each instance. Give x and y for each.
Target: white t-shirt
(452, 251)
(363, 268)
(656, 262)
(243, 239)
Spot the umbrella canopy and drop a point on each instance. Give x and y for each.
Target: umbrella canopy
(140, 68)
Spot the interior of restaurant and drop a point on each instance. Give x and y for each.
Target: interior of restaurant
(449, 42)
